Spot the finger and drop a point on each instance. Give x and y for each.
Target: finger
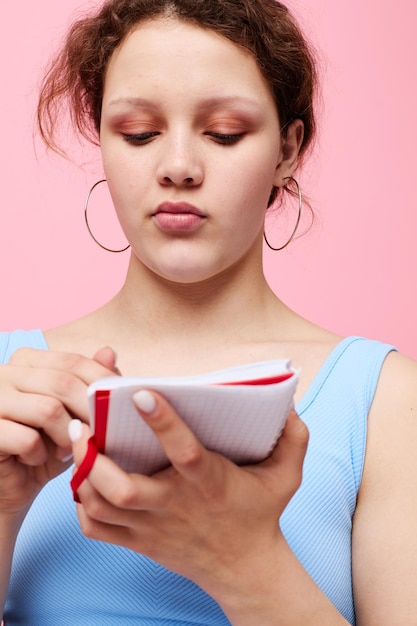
(114, 485)
(183, 449)
(37, 412)
(107, 357)
(290, 451)
(56, 393)
(22, 442)
(64, 385)
(86, 369)
(112, 533)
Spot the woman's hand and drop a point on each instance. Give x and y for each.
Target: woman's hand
(40, 392)
(203, 517)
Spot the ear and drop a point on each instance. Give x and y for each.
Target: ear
(290, 149)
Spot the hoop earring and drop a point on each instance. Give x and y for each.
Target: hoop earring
(300, 209)
(87, 224)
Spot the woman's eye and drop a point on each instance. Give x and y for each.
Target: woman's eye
(140, 139)
(225, 139)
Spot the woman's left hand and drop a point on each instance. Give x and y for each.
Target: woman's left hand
(203, 517)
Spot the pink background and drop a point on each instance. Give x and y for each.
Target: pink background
(354, 272)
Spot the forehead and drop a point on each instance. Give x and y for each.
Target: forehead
(167, 56)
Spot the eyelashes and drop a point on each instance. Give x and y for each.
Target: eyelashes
(140, 139)
(224, 139)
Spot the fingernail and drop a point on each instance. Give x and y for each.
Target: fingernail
(67, 458)
(144, 401)
(75, 430)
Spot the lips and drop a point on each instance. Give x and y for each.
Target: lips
(179, 208)
(178, 217)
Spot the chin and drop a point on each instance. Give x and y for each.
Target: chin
(188, 278)
(187, 275)
(192, 268)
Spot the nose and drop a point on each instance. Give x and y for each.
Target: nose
(180, 164)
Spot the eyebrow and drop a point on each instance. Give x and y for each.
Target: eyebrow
(214, 102)
(135, 102)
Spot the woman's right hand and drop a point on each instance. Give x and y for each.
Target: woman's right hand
(40, 392)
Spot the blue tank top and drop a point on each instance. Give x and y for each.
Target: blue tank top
(61, 578)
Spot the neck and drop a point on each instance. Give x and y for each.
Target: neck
(233, 304)
(164, 328)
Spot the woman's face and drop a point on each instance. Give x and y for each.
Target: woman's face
(191, 149)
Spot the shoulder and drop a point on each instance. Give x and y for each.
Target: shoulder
(392, 421)
(390, 469)
(397, 381)
(395, 401)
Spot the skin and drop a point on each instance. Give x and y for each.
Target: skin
(201, 294)
(185, 113)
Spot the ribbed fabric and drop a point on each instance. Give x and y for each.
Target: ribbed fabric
(60, 578)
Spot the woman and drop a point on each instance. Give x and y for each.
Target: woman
(203, 112)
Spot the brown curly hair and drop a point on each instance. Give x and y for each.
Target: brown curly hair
(75, 79)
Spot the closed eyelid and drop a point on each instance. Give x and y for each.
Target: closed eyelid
(226, 120)
(225, 124)
(232, 123)
(136, 127)
(222, 117)
(226, 129)
(133, 121)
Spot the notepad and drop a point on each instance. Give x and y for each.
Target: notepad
(239, 412)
